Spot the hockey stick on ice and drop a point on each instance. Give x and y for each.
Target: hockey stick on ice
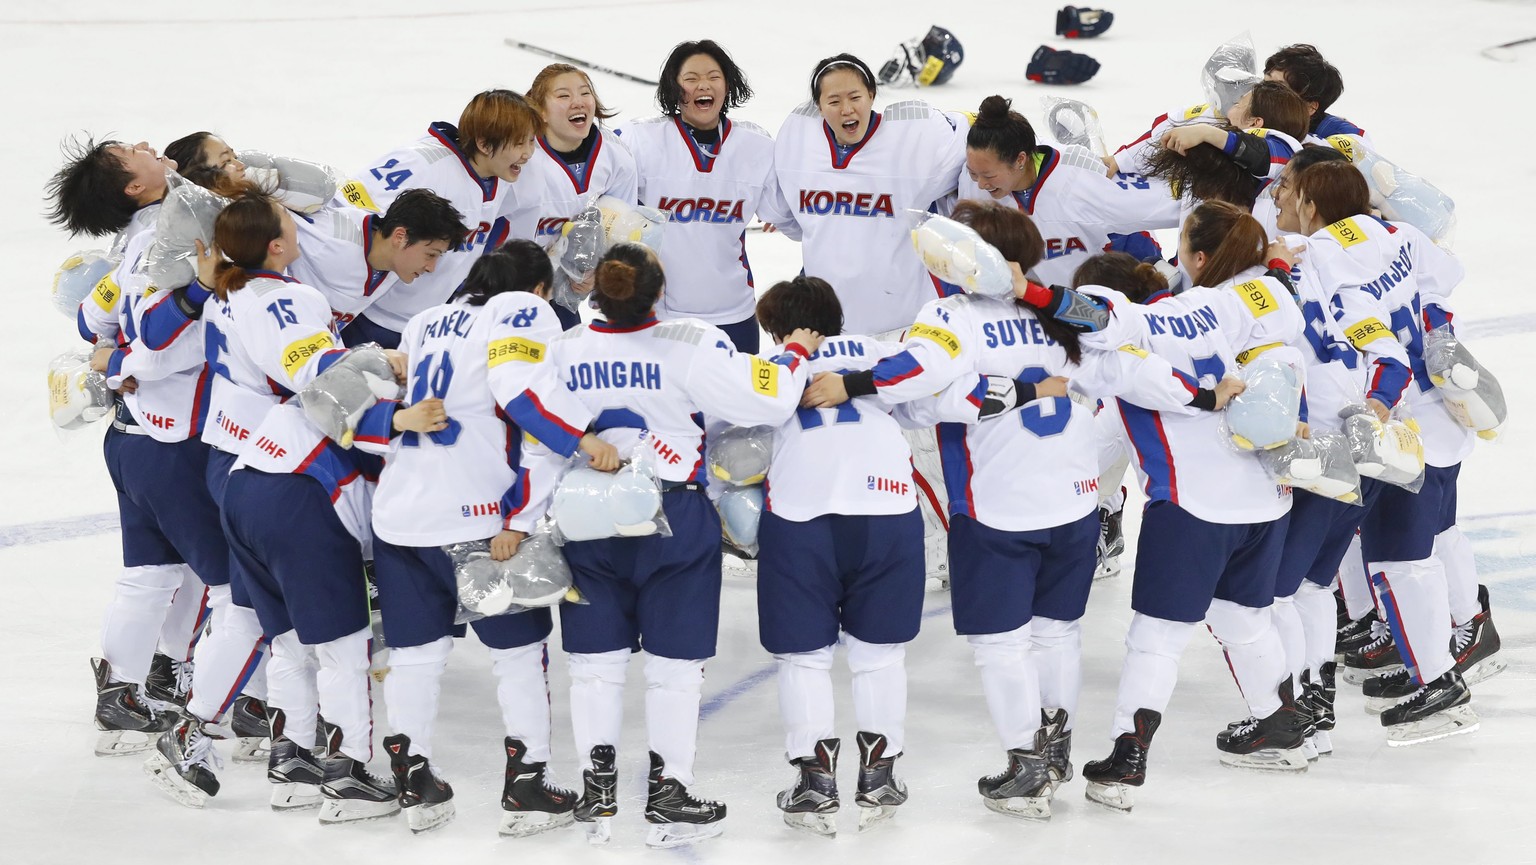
(1502, 53)
(555, 55)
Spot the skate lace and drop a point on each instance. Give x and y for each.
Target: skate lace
(1245, 727)
(200, 752)
(1463, 636)
(1416, 697)
(1380, 636)
(182, 670)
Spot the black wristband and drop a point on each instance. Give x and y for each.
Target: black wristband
(1252, 154)
(859, 383)
(1204, 399)
(1025, 391)
(1283, 277)
(193, 311)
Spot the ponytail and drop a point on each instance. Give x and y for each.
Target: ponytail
(628, 282)
(1231, 239)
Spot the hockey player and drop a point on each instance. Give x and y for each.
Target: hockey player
(1214, 526)
(710, 187)
(1022, 554)
(1319, 84)
(1407, 280)
(207, 160)
(295, 512)
(846, 174)
(575, 161)
(651, 383)
(840, 562)
(1075, 209)
(1267, 125)
(472, 165)
(479, 354)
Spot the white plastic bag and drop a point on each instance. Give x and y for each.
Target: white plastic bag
(1320, 465)
(187, 215)
(77, 277)
(589, 504)
(1266, 413)
(536, 576)
(741, 509)
(1230, 71)
(1400, 195)
(77, 395)
(956, 254)
(1470, 392)
(1390, 452)
(1074, 123)
(740, 456)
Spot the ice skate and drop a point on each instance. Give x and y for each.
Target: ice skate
(352, 794)
(1475, 644)
(253, 734)
(1375, 658)
(599, 795)
(880, 792)
(811, 802)
(424, 796)
(169, 681)
(1111, 542)
(529, 803)
(1024, 789)
(677, 817)
(183, 764)
(295, 772)
(1270, 744)
(127, 724)
(1318, 692)
(1384, 692)
(1058, 746)
(1354, 635)
(1112, 782)
(1438, 709)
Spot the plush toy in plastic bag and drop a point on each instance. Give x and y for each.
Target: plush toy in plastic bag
(77, 395)
(1265, 414)
(1401, 196)
(187, 215)
(536, 576)
(336, 400)
(1074, 123)
(624, 222)
(1389, 452)
(576, 254)
(741, 509)
(589, 504)
(740, 456)
(77, 277)
(1320, 465)
(300, 185)
(1230, 71)
(1470, 392)
(956, 254)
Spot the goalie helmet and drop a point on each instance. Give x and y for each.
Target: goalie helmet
(924, 62)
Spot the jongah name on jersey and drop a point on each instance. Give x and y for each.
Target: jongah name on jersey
(589, 375)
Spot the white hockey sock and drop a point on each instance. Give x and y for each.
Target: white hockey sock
(1152, 650)
(1009, 683)
(932, 499)
(1355, 583)
(805, 700)
(256, 685)
(226, 659)
(1293, 638)
(1413, 595)
(522, 689)
(342, 682)
(1057, 652)
(672, 691)
(597, 700)
(1454, 551)
(879, 689)
(1318, 612)
(1254, 652)
(412, 688)
(131, 627)
(190, 607)
(291, 687)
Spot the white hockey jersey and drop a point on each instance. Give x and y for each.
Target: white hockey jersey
(469, 481)
(434, 162)
(712, 198)
(654, 382)
(335, 243)
(960, 338)
(550, 192)
(1385, 271)
(1076, 210)
(1336, 372)
(1209, 330)
(97, 316)
(848, 205)
(1135, 158)
(852, 459)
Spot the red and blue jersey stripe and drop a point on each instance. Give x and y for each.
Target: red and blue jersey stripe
(1153, 452)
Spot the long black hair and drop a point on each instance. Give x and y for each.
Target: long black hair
(669, 94)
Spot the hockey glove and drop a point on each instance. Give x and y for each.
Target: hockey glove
(1004, 394)
(1140, 246)
(1050, 66)
(1080, 22)
(1081, 311)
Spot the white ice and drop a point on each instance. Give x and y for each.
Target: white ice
(341, 81)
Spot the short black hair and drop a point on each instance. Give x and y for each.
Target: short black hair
(87, 195)
(670, 96)
(533, 265)
(489, 276)
(846, 61)
(1311, 154)
(425, 216)
(1312, 77)
(805, 301)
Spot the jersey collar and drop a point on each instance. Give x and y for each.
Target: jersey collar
(841, 162)
(585, 179)
(1046, 160)
(375, 278)
(261, 273)
(604, 327)
(448, 135)
(701, 158)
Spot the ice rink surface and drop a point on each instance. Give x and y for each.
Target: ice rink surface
(341, 81)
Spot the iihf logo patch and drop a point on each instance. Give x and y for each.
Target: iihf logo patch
(1083, 488)
(489, 509)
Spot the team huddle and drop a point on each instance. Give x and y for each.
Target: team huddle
(333, 396)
